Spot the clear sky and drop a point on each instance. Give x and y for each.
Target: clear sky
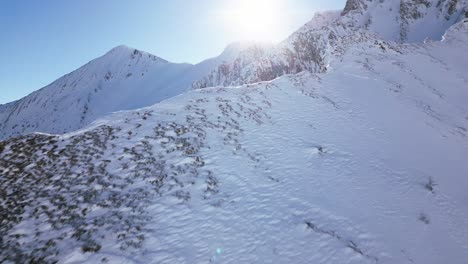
(41, 41)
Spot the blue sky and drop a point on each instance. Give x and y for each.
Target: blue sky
(41, 41)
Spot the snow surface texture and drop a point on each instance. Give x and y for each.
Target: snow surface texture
(365, 163)
(123, 79)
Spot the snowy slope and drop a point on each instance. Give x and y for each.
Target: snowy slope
(365, 163)
(122, 79)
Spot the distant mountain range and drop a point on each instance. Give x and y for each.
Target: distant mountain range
(123, 79)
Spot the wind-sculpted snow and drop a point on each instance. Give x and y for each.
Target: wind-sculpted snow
(363, 164)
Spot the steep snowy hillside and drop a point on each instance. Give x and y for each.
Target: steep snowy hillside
(310, 47)
(122, 79)
(365, 163)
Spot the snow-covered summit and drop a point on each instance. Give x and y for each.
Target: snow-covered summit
(126, 51)
(121, 79)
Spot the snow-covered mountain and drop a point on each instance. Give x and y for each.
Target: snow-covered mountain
(126, 78)
(309, 48)
(123, 79)
(364, 162)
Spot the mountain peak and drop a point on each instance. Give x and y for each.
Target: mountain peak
(121, 49)
(124, 50)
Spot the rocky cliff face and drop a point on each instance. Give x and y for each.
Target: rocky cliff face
(405, 20)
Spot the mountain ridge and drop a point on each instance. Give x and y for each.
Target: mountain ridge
(240, 63)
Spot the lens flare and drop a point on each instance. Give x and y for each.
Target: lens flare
(252, 20)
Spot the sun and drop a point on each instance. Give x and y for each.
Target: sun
(252, 20)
